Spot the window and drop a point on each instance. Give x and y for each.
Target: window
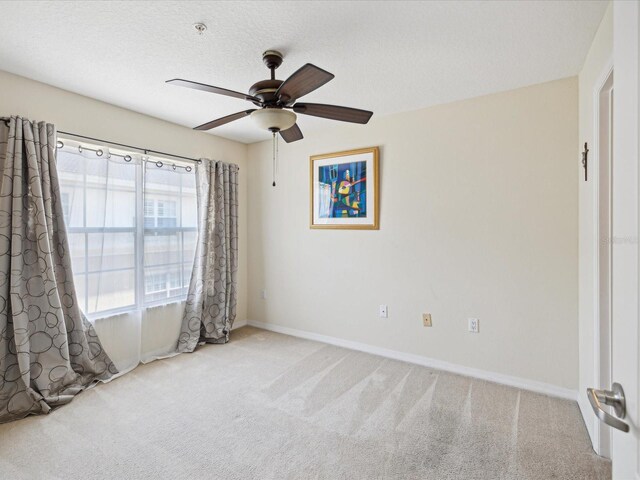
(149, 213)
(132, 228)
(159, 286)
(66, 204)
(170, 228)
(160, 213)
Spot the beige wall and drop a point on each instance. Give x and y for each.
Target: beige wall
(478, 218)
(75, 113)
(597, 63)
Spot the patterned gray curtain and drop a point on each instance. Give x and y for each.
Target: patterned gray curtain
(49, 352)
(211, 303)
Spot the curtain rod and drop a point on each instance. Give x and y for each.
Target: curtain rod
(145, 150)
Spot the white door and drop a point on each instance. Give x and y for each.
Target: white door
(624, 292)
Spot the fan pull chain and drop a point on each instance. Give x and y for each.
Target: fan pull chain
(274, 158)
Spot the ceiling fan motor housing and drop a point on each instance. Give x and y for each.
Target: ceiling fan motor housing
(265, 90)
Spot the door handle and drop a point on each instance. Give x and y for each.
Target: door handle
(613, 397)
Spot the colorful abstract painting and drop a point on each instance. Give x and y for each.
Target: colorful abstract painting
(344, 189)
(346, 186)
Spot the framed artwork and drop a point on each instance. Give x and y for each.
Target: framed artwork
(344, 189)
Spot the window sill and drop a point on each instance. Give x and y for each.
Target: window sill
(96, 317)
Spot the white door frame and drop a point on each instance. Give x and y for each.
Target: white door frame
(601, 326)
(625, 447)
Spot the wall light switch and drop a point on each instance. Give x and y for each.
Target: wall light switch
(384, 312)
(426, 319)
(474, 325)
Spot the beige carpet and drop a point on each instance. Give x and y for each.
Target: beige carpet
(270, 406)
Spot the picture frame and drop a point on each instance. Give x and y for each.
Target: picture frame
(344, 190)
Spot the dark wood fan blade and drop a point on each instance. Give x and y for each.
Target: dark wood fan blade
(223, 120)
(334, 112)
(292, 134)
(210, 88)
(304, 80)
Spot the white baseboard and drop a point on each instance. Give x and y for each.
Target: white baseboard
(239, 324)
(522, 383)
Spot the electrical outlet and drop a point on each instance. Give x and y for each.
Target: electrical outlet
(263, 294)
(474, 325)
(426, 319)
(384, 312)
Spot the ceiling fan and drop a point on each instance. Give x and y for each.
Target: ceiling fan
(276, 98)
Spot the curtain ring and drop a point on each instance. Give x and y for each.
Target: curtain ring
(80, 148)
(174, 166)
(59, 144)
(127, 158)
(159, 164)
(188, 169)
(99, 152)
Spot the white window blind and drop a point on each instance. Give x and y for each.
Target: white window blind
(132, 227)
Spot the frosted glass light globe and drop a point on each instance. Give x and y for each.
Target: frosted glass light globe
(274, 118)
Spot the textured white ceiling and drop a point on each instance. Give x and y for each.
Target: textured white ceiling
(387, 56)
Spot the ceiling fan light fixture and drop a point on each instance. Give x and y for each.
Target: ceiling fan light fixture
(274, 119)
